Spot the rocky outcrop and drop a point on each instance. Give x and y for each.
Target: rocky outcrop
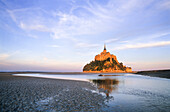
(106, 62)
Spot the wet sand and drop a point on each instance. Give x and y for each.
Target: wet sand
(38, 94)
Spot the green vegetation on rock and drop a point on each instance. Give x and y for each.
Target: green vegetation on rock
(100, 65)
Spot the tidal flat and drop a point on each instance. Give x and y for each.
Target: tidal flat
(38, 94)
(122, 92)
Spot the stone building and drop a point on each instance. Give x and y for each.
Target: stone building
(105, 55)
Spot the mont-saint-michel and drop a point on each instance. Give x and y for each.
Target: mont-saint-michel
(106, 62)
(46, 61)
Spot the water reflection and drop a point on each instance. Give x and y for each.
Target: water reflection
(108, 85)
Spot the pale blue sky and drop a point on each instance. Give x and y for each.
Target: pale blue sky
(64, 35)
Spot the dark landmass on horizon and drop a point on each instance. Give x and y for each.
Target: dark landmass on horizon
(156, 73)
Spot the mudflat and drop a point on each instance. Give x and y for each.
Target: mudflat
(39, 94)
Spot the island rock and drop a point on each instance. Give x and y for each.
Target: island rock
(106, 62)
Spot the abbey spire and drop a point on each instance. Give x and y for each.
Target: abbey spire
(104, 48)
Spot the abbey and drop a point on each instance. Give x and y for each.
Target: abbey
(105, 55)
(106, 62)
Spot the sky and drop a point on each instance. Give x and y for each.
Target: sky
(64, 35)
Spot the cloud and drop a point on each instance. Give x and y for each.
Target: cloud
(143, 65)
(33, 36)
(111, 40)
(4, 56)
(86, 45)
(55, 46)
(37, 27)
(126, 41)
(44, 63)
(12, 15)
(79, 20)
(143, 45)
(157, 35)
(165, 5)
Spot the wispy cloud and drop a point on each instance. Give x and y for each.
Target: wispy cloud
(165, 4)
(126, 41)
(111, 40)
(41, 64)
(4, 56)
(38, 27)
(156, 35)
(143, 45)
(55, 46)
(93, 20)
(86, 45)
(33, 36)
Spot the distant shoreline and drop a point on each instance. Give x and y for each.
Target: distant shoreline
(151, 73)
(107, 72)
(37, 72)
(156, 73)
(42, 72)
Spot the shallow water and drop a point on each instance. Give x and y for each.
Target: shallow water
(126, 92)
